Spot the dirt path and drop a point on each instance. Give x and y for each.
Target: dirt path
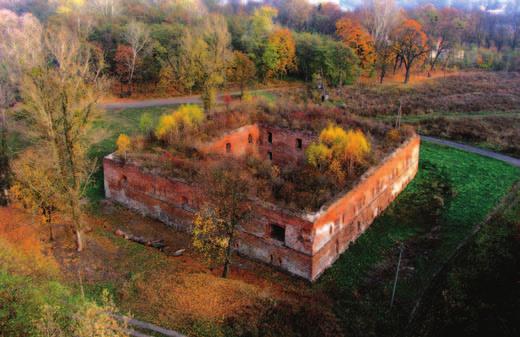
(193, 99)
(473, 149)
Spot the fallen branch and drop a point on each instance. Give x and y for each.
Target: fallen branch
(159, 244)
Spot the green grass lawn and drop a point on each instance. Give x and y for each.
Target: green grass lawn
(106, 128)
(360, 283)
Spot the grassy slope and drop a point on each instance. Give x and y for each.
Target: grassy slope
(479, 183)
(478, 295)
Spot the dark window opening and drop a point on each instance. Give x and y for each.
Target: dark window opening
(185, 202)
(228, 147)
(337, 246)
(270, 155)
(270, 137)
(250, 139)
(299, 143)
(124, 181)
(278, 232)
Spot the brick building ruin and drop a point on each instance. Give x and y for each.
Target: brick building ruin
(301, 243)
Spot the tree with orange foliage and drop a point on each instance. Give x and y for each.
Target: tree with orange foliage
(280, 54)
(36, 185)
(411, 44)
(356, 37)
(123, 60)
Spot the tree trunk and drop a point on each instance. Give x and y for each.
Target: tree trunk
(47, 212)
(396, 63)
(4, 161)
(434, 61)
(383, 73)
(79, 240)
(407, 74)
(227, 261)
(76, 219)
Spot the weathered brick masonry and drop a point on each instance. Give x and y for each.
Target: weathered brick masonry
(304, 244)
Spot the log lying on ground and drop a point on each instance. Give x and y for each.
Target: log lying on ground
(159, 244)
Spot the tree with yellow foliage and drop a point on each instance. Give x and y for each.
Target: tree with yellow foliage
(228, 207)
(336, 148)
(318, 155)
(37, 186)
(178, 124)
(123, 145)
(280, 54)
(356, 37)
(356, 148)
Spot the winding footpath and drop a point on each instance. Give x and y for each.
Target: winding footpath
(473, 149)
(193, 99)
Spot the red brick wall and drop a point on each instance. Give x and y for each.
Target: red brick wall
(348, 216)
(312, 241)
(283, 145)
(174, 202)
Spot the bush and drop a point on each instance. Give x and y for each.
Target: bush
(33, 302)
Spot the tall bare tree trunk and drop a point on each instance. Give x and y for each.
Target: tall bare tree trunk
(4, 161)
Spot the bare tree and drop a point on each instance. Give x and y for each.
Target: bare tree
(108, 8)
(18, 46)
(380, 17)
(137, 35)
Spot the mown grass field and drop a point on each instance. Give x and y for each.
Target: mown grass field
(361, 280)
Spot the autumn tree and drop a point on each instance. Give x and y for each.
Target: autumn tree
(61, 98)
(356, 37)
(337, 148)
(123, 61)
(180, 123)
(258, 29)
(241, 70)
(146, 124)
(280, 54)
(228, 208)
(319, 55)
(204, 57)
(411, 44)
(37, 186)
(443, 29)
(137, 35)
(323, 18)
(295, 13)
(19, 48)
(123, 144)
(380, 17)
